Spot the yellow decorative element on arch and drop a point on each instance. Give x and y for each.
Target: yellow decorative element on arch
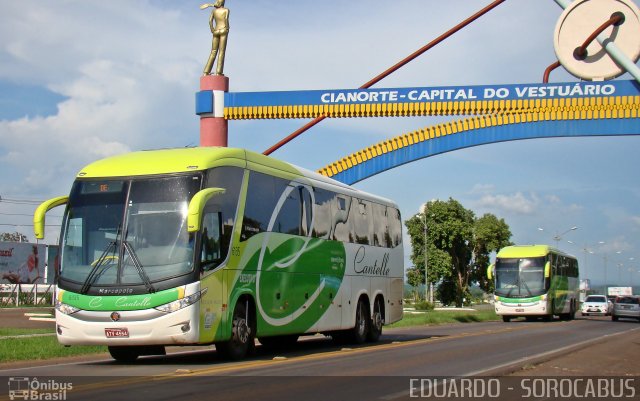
(509, 112)
(557, 107)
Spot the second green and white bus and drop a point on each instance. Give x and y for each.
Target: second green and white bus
(220, 246)
(534, 281)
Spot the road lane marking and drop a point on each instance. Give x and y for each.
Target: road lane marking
(257, 364)
(519, 362)
(561, 350)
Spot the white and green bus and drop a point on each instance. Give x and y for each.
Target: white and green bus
(535, 281)
(220, 246)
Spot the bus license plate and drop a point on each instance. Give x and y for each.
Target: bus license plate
(519, 310)
(117, 333)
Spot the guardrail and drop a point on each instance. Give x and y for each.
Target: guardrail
(27, 294)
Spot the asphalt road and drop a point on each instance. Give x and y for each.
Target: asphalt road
(316, 369)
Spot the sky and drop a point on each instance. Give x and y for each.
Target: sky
(85, 79)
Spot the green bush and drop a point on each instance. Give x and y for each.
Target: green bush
(424, 305)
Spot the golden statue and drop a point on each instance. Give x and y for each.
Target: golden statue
(219, 15)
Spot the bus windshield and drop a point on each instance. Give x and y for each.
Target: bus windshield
(520, 277)
(127, 233)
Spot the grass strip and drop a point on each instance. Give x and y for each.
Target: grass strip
(38, 348)
(435, 317)
(10, 331)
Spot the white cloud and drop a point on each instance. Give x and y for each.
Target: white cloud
(516, 203)
(123, 81)
(482, 189)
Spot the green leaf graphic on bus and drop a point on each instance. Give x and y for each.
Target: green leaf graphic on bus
(297, 276)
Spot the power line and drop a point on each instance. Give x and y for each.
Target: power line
(26, 225)
(24, 214)
(20, 201)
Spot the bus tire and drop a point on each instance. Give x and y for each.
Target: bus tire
(506, 319)
(377, 321)
(124, 354)
(243, 331)
(573, 310)
(360, 331)
(549, 317)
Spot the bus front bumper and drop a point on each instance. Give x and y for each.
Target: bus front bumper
(142, 327)
(521, 309)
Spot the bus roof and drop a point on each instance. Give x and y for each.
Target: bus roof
(519, 251)
(182, 160)
(162, 161)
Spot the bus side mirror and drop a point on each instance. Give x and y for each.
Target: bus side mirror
(199, 200)
(547, 270)
(39, 214)
(490, 271)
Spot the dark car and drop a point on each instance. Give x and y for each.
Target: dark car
(626, 307)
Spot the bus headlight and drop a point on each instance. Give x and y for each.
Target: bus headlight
(66, 309)
(181, 303)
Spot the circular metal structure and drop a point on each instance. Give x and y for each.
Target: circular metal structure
(580, 21)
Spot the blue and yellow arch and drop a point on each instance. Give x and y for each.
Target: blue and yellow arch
(497, 113)
(579, 120)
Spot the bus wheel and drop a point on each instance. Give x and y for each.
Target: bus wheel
(506, 319)
(360, 331)
(242, 334)
(377, 320)
(549, 317)
(124, 354)
(574, 309)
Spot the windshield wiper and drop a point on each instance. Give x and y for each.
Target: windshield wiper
(93, 274)
(524, 284)
(139, 268)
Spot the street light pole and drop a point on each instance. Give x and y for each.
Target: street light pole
(605, 275)
(558, 237)
(426, 258)
(586, 250)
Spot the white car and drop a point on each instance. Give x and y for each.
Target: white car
(596, 305)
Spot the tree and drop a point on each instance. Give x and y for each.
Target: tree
(14, 237)
(458, 246)
(491, 234)
(415, 277)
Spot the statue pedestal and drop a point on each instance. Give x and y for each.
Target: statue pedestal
(214, 128)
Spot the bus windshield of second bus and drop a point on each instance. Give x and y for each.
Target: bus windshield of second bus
(520, 277)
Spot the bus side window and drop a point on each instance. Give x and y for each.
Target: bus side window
(307, 211)
(342, 226)
(220, 211)
(288, 219)
(381, 235)
(362, 221)
(260, 202)
(395, 226)
(322, 213)
(211, 254)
